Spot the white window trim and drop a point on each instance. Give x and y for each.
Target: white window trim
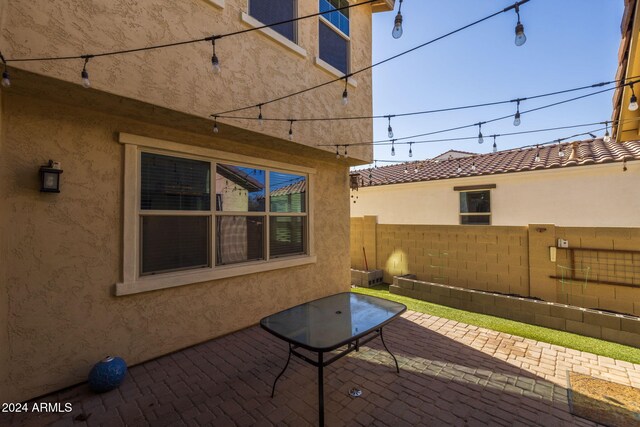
(217, 3)
(333, 71)
(273, 35)
(132, 282)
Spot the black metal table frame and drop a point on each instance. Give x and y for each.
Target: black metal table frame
(352, 345)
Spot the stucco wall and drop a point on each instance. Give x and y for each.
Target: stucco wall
(254, 67)
(586, 196)
(61, 253)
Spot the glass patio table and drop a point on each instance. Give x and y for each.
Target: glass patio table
(328, 324)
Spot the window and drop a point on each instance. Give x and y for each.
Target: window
(475, 207)
(272, 11)
(192, 214)
(333, 34)
(176, 214)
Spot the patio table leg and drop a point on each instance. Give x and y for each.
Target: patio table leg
(386, 348)
(273, 389)
(320, 389)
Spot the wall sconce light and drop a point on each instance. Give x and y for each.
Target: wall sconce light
(50, 177)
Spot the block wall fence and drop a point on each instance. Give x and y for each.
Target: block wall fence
(509, 260)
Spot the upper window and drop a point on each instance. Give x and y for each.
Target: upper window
(258, 214)
(475, 207)
(272, 11)
(333, 34)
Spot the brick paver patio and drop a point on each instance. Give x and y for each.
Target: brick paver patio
(451, 374)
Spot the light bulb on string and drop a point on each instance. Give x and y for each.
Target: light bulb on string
(480, 138)
(397, 23)
(393, 148)
(375, 164)
(345, 152)
(405, 169)
(85, 74)
(607, 135)
(410, 150)
(215, 124)
(520, 37)
(537, 158)
(459, 169)
(345, 94)
(560, 150)
(215, 63)
(290, 130)
(415, 169)
(633, 101)
(624, 165)
(473, 166)
(6, 81)
(337, 153)
(516, 118)
(495, 146)
(260, 120)
(390, 129)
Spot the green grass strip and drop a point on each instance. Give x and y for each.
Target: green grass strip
(538, 333)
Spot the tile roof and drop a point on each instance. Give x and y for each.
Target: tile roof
(578, 153)
(295, 188)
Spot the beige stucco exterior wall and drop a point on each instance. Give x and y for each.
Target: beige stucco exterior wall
(62, 253)
(255, 68)
(586, 196)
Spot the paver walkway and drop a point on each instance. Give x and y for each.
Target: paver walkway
(451, 374)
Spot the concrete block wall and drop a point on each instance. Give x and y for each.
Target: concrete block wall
(489, 258)
(611, 327)
(509, 260)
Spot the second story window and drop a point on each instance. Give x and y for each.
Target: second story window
(272, 11)
(333, 33)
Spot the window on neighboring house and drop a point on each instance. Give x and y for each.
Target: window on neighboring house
(333, 34)
(475, 207)
(176, 214)
(272, 11)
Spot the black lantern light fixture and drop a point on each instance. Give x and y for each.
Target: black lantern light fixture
(50, 177)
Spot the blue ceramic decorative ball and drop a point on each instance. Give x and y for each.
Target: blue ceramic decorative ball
(107, 374)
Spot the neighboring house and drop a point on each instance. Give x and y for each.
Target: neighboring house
(585, 183)
(626, 123)
(160, 237)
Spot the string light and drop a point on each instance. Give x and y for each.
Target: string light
(495, 146)
(415, 169)
(345, 152)
(397, 24)
(516, 118)
(410, 150)
(290, 130)
(390, 129)
(215, 124)
(393, 148)
(85, 74)
(6, 81)
(405, 169)
(473, 166)
(560, 150)
(215, 63)
(345, 94)
(633, 101)
(624, 165)
(260, 121)
(537, 158)
(520, 37)
(607, 135)
(459, 167)
(480, 138)
(337, 153)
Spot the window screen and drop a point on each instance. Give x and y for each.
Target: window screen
(272, 11)
(172, 243)
(334, 49)
(172, 183)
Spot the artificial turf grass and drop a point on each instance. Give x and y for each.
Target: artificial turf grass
(538, 333)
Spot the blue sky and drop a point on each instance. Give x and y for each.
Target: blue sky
(570, 43)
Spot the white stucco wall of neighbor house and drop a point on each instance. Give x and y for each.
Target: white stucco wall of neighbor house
(594, 196)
